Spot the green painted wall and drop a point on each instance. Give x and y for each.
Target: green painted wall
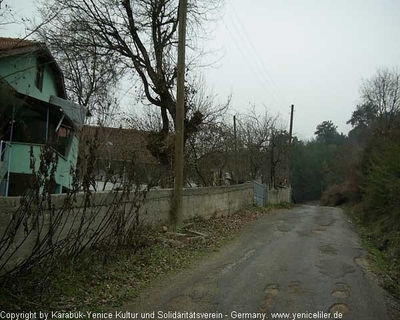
(20, 161)
(20, 73)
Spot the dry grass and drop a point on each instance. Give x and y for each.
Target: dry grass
(102, 279)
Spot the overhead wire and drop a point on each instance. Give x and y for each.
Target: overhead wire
(268, 75)
(263, 74)
(254, 65)
(252, 69)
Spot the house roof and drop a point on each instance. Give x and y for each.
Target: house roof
(14, 43)
(72, 110)
(15, 46)
(117, 144)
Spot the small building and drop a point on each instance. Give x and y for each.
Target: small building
(117, 152)
(34, 111)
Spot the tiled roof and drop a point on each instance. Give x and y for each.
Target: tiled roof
(119, 144)
(14, 43)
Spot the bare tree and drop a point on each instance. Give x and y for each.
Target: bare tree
(254, 132)
(262, 148)
(205, 128)
(209, 142)
(147, 119)
(208, 154)
(140, 35)
(382, 94)
(91, 74)
(7, 16)
(278, 156)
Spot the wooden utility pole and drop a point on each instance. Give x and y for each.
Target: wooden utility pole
(177, 212)
(289, 165)
(291, 124)
(236, 151)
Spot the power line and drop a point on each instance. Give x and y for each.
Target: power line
(278, 97)
(261, 82)
(253, 55)
(269, 76)
(256, 71)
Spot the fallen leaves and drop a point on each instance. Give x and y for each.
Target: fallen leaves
(107, 278)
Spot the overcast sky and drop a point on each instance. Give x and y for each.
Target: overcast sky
(312, 53)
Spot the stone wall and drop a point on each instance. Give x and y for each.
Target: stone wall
(75, 217)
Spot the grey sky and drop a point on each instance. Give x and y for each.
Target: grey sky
(316, 53)
(312, 53)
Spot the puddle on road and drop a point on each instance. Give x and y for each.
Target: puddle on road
(325, 218)
(319, 230)
(202, 291)
(340, 308)
(342, 291)
(272, 291)
(296, 289)
(339, 294)
(335, 268)
(328, 249)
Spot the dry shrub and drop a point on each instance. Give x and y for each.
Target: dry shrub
(338, 194)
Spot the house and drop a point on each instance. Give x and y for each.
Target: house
(116, 152)
(34, 111)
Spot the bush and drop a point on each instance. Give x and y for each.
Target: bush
(339, 194)
(381, 195)
(381, 185)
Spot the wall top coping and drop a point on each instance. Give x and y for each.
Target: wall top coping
(107, 197)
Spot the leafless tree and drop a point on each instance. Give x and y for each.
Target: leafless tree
(91, 74)
(262, 148)
(206, 129)
(140, 37)
(7, 16)
(278, 157)
(209, 142)
(148, 119)
(382, 93)
(208, 154)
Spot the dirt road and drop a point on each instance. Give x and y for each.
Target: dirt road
(307, 260)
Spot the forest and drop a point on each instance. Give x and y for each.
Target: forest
(360, 170)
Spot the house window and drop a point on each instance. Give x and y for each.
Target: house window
(64, 132)
(39, 74)
(30, 128)
(64, 139)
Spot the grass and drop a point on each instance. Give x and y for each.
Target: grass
(102, 279)
(384, 261)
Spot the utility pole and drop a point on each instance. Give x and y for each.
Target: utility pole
(289, 172)
(177, 212)
(236, 151)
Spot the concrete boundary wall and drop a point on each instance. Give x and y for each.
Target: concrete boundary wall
(276, 196)
(197, 202)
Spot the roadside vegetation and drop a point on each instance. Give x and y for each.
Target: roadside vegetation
(100, 44)
(362, 171)
(100, 279)
(380, 259)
